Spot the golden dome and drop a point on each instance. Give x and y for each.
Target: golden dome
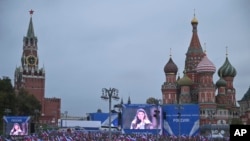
(194, 20)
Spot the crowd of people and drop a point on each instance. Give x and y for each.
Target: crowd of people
(100, 136)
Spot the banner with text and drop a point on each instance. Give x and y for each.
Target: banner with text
(181, 119)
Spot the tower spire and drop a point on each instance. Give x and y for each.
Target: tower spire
(195, 52)
(194, 20)
(170, 52)
(129, 101)
(30, 32)
(195, 42)
(226, 51)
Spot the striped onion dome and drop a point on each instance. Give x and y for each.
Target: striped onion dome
(227, 69)
(205, 65)
(221, 83)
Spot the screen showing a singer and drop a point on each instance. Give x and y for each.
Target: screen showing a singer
(16, 125)
(141, 116)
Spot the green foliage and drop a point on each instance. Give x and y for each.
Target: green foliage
(5, 85)
(152, 100)
(7, 96)
(26, 104)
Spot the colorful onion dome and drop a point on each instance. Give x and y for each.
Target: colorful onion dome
(221, 83)
(227, 69)
(205, 65)
(170, 67)
(185, 81)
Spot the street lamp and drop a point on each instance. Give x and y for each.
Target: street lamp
(179, 108)
(108, 94)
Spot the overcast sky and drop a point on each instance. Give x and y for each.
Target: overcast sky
(89, 45)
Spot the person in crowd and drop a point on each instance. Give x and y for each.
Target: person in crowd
(141, 120)
(16, 130)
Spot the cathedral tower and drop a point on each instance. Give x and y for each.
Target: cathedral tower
(194, 53)
(169, 88)
(228, 72)
(206, 89)
(226, 93)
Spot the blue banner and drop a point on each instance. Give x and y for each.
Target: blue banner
(19, 119)
(181, 120)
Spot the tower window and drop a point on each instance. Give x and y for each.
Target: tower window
(31, 41)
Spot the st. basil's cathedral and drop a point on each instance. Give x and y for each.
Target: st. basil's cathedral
(217, 101)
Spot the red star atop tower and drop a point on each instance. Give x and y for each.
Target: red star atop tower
(31, 12)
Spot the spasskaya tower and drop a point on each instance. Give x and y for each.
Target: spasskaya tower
(32, 78)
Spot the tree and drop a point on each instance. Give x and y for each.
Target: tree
(7, 99)
(22, 103)
(7, 96)
(26, 104)
(5, 85)
(99, 111)
(152, 100)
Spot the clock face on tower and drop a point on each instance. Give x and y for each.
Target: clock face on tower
(31, 60)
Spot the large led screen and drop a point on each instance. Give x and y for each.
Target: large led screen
(16, 125)
(141, 118)
(181, 120)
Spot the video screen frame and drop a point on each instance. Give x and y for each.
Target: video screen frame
(130, 113)
(16, 125)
